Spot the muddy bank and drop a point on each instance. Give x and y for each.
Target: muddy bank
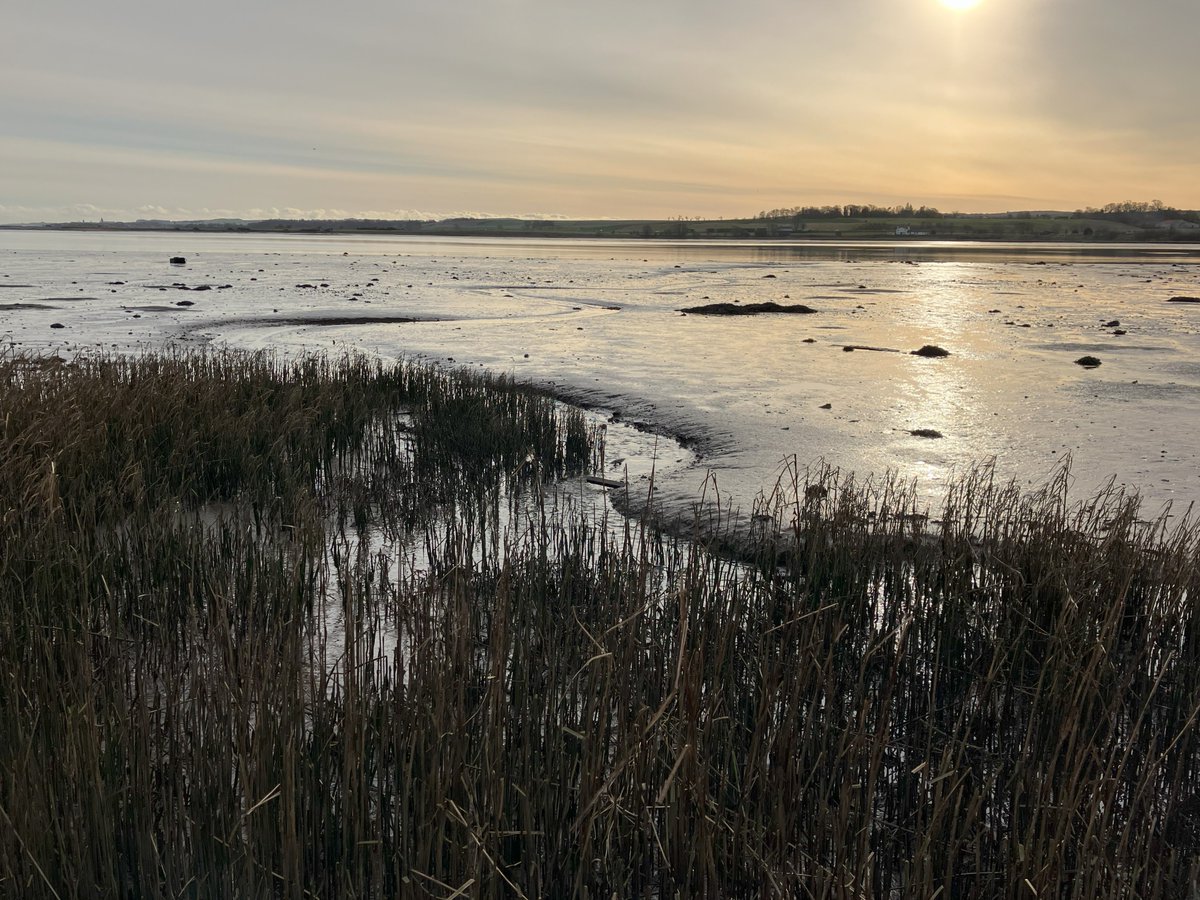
(748, 309)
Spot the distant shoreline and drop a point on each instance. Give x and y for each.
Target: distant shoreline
(1019, 230)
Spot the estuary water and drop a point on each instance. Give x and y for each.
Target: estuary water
(712, 403)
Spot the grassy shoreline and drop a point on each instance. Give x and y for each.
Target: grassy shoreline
(310, 628)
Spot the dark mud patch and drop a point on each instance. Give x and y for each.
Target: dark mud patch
(748, 309)
(316, 321)
(332, 321)
(1133, 391)
(1183, 369)
(16, 306)
(1075, 347)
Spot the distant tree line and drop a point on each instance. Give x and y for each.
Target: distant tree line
(1141, 212)
(851, 211)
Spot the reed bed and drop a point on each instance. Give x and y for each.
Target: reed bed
(310, 628)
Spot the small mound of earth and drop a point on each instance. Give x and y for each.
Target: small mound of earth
(748, 309)
(929, 351)
(1184, 300)
(1088, 362)
(926, 433)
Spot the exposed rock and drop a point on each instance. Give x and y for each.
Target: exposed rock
(57, 325)
(826, 406)
(1088, 362)
(1184, 300)
(768, 276)
(748, 309)
(930, 351)
(1112, 323)
(184, 303)
(178, 260)
(925, 433)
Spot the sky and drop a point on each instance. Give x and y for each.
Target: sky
(132, 109)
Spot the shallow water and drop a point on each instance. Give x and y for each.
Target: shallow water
(600, 322)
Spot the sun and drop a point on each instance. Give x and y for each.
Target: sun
(959, 4)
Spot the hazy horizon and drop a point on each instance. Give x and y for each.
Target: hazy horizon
(524, 108)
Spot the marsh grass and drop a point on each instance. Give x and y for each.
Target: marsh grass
(265, 631)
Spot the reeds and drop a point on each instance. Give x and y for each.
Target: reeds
(288, 629)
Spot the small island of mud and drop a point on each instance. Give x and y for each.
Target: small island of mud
(748, 309)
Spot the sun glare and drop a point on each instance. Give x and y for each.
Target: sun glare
(959, 4)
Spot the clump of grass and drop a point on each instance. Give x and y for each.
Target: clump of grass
(210, 685)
